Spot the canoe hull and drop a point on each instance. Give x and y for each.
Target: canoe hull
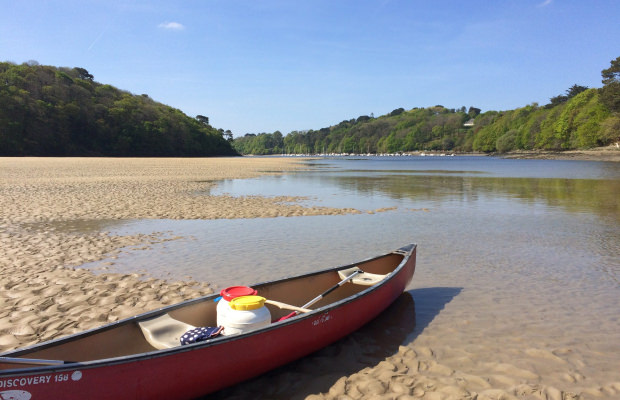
(192, 371)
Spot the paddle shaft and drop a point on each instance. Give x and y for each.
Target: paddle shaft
(319, 297)
(34, 361)
(331, 289)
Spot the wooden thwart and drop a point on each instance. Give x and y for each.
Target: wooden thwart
(364, 278)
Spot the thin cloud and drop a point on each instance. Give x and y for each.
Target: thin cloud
(174, 26)
(97, 39)
(545, 3)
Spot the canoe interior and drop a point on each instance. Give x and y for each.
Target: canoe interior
(125, 338)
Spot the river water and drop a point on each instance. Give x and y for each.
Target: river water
(513, 255)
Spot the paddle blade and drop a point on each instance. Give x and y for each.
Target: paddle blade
(287, 316)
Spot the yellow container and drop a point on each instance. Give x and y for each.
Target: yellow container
(247, 303)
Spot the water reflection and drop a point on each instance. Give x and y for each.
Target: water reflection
(575, 195)
(574, 186)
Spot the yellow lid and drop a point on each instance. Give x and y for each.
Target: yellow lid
(247, 303)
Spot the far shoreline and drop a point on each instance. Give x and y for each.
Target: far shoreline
(609, 153)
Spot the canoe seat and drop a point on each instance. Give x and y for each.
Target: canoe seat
(164, 332)
(365, 278)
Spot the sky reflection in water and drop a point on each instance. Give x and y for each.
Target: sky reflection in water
(453, 207)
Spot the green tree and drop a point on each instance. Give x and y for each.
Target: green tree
(202, 119)
(610, 92)
(397, 111)
(569, 94)
(506, 142)
(575, 90)
(557, 100)
(83, 74)
(473, 112)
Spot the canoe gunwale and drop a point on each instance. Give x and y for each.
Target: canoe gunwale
(405, 251)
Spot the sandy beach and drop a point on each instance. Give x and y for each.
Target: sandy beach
(46, 294)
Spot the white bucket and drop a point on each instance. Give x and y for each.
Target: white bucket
(246, 313)
(228, 294)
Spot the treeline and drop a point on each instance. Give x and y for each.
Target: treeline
(49, 111)
(580, 118)
(431, 128)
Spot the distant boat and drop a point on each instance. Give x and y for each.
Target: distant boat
(142, 357)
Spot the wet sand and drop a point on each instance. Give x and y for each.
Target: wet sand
(45, 294)
(607, 153)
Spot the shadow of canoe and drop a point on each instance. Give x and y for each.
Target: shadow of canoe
(397, 326)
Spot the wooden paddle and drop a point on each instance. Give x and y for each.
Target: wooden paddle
(285, 306)
(325, 293)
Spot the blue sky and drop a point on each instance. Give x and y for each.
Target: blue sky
(261, 66)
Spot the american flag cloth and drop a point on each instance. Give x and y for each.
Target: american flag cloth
(200, 334)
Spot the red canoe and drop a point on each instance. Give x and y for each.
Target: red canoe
(129, 359)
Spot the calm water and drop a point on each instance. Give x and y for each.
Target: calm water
(525, 247)
(467, 215)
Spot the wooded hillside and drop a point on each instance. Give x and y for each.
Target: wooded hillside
(580, 118)
(49, 111)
